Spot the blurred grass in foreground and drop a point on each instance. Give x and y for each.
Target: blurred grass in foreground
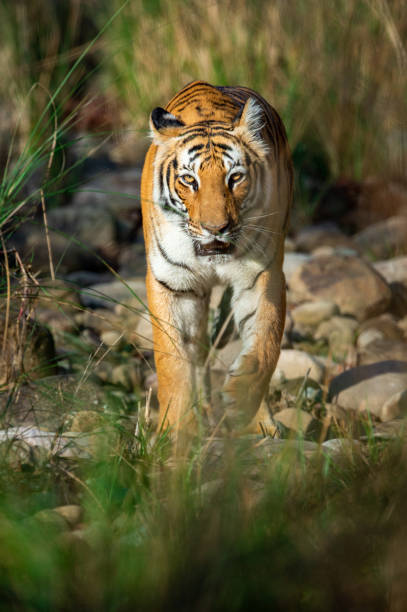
(292, 532)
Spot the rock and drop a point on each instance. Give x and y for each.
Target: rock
(128, 375)
(349, 282)
(369, 387)
(86, 278)
(340, 446)
(144, 332)
(132, 260)
(356, 205)
(112, 338)
(87, 420)
(82, 233)
(380, 349)
(385, 327)
(71, 513)
(69, 445)
(340, 333)
(384, 239)
(326, 234)
(292, 261)
(393, 270)
(403, 325)
(294, 363)
(19, 455)
(293, 418)
(368, 336)
(52, 520)
(29, 349)
(48, 405)
(398, 305)
(57, 304)
(108, 295)
(396, 428)
(311, 314)
(395, 406)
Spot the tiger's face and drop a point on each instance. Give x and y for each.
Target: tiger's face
(209, 174)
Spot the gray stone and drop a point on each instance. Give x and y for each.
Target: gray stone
(108, 295)
(369, 387)
(393, 270)
(292, 418)
(292, 261)
(384, 239)
(385, 325)
(29, 348)
(349, 282)
(79, 231)
(340, 333)
(86, 421)
(326, 234)
(294, 363)
(340, 446)
(311, 314)
(128, 375)
(68, 445)
(395, 406)
(71, 513)
(382, 349)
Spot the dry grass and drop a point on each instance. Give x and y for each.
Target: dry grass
(335, 70)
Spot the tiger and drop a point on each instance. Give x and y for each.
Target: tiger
(216, 192)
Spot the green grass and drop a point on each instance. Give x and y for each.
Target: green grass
(285, 532)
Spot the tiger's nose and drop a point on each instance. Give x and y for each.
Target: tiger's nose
(222, 228)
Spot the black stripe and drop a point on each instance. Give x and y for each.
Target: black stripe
(192, 159)
(192, 135)
(256, 278)
(167, 176)
(169, 288)
(186, 96)
(168, 259)
(160, 174)
(197, 147)
(220, 145)
(243, 321)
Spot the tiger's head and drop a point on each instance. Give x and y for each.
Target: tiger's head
(210, 173)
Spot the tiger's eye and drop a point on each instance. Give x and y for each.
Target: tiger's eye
(189, 180)
(234, 178)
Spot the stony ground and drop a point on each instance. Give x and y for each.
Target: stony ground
(78, 349)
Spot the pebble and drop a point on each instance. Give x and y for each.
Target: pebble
(311, 314)
(294, 363)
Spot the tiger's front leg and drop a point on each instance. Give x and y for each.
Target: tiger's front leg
(179, 321)
(259, 314)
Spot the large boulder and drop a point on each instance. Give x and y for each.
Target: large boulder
(384, 239)
(348, 281)
(370, 387)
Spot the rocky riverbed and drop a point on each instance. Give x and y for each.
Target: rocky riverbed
(77, 350)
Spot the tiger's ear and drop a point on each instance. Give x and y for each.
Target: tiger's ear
(250, 121)
(163, 125)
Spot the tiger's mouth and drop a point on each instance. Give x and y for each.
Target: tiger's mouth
(216, 247)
